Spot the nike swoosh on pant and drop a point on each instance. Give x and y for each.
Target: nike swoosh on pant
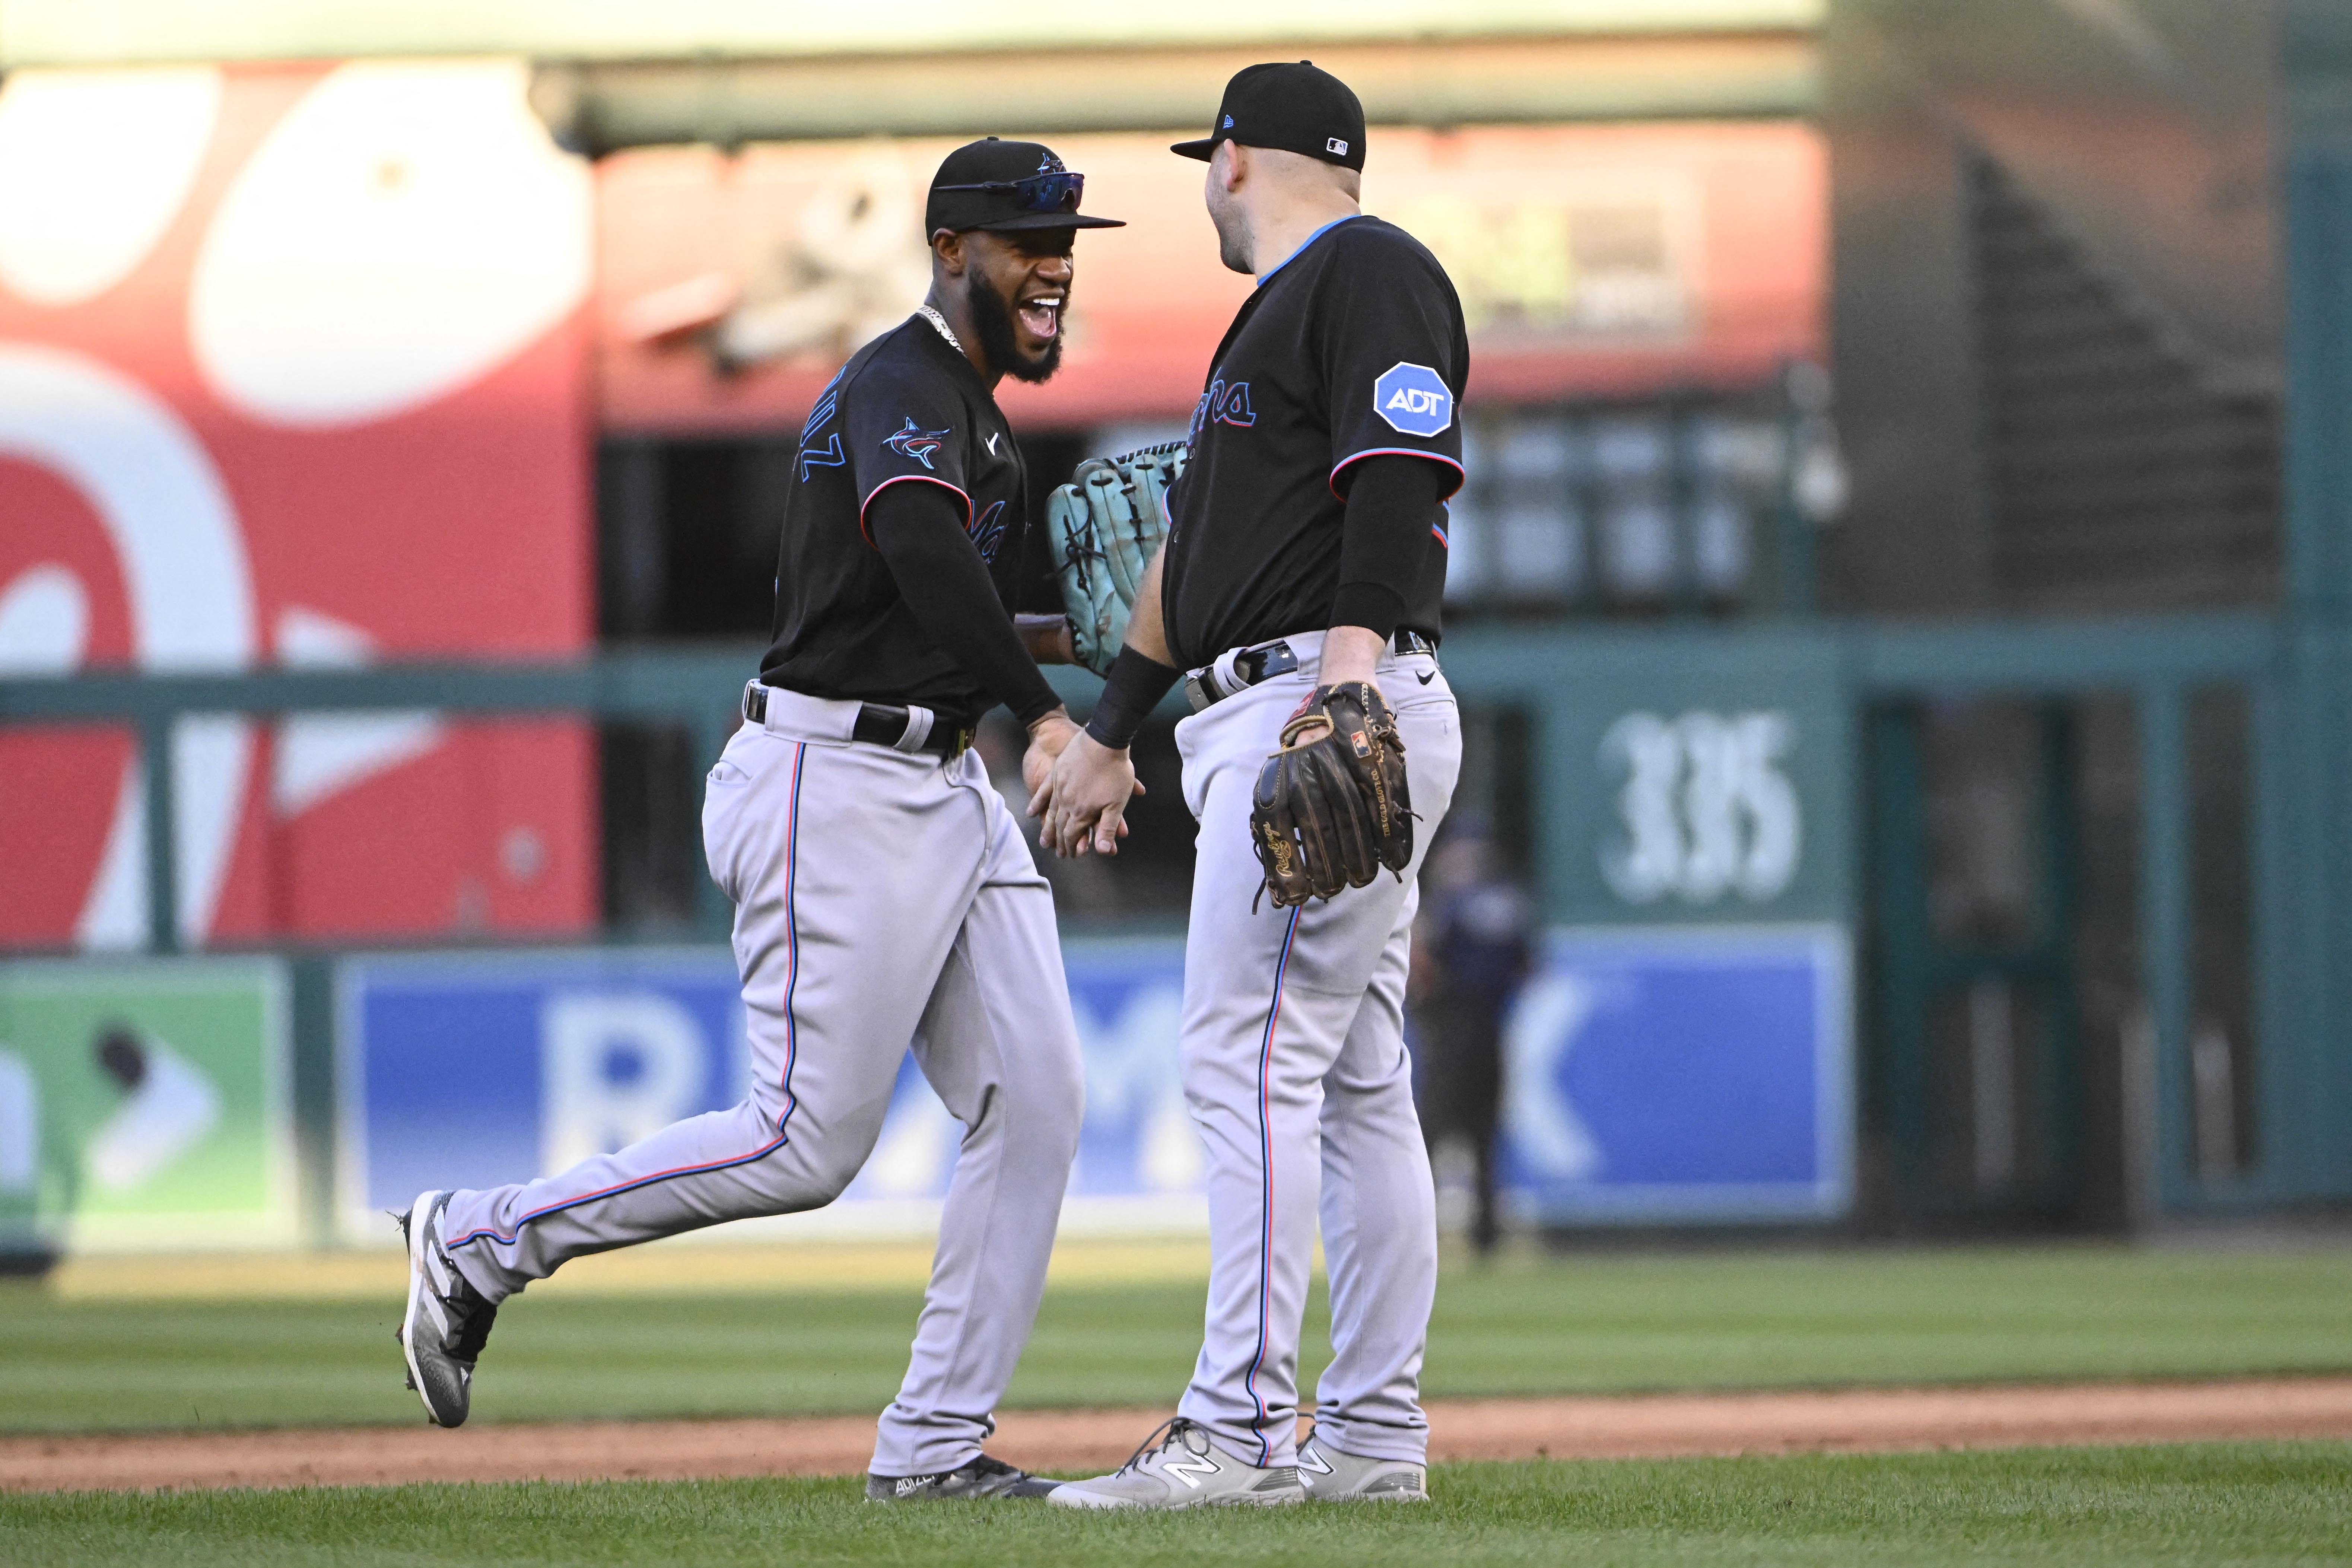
(1426, 679)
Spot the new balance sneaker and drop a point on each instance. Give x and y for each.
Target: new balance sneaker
(981, 1478)
(448, 1320)
(1329, 1476)
(1178, 1466)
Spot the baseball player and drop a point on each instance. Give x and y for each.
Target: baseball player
(1299, 586)
(884, 894)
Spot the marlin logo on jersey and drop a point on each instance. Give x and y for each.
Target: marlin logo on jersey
(917, 443)
(1224, 404)
(987, 532)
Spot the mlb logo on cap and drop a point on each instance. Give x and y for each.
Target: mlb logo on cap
(1413, 399)
(1336, 145)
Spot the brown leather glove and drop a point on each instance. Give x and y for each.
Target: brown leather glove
(1330, 813)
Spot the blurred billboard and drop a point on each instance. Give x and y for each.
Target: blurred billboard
(1655, 1074)
(1658, 1074)
(146, 1104)
(292, 364)
(1592, 261)
(475, 1070)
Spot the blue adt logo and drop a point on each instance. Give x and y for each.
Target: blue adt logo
(1413, 399)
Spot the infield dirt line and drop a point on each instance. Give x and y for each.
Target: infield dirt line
(1647, 1426)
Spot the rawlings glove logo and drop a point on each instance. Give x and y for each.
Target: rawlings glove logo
(918, 443)
(1413, 399)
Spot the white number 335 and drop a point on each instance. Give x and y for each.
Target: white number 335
(1704, 807)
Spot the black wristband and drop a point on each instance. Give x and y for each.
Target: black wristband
(1134, 688)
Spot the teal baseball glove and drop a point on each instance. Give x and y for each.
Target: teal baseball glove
(1105, 526)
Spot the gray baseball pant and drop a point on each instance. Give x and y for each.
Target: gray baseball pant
(1295, 1073)
(882, 899)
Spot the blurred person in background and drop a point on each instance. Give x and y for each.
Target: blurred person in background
(1473, 949)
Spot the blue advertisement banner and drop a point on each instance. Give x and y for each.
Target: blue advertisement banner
(1666, 1074)
(1682, 1074)
(477, 1070)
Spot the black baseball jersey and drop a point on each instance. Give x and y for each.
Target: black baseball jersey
(905, 409)
(1352, 348)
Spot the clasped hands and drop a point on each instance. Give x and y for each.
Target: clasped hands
(1078, 788)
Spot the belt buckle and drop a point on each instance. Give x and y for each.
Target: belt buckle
(961, 744)
(1197, 693)
(1276, 659)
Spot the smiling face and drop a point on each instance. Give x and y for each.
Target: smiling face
(1019, 286)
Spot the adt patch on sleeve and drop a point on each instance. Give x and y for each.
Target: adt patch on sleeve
(1413, 399)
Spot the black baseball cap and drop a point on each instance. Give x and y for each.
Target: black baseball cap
(998, 186)
(1292, 108)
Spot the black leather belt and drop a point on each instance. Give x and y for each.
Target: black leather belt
(880, 725)
(1203, 688)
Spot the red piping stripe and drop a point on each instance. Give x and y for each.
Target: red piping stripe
(1460, 474)
(902, 478)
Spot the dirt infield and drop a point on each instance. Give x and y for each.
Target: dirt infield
(1663, 1426)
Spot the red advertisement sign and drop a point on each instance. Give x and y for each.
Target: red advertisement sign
(291, 364)
(1592, 261)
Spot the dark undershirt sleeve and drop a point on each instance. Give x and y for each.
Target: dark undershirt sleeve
(1391, 508)
(948, 592)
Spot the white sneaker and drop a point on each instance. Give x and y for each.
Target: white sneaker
(1329, 1476)
(1178, 1466)
(448, 1320)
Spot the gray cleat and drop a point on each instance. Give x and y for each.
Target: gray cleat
(1178, 1466)
(979, 1477)
(448, 1320)
(1331, 1476)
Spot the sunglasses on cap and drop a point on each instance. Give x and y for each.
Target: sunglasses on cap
(1037, 194)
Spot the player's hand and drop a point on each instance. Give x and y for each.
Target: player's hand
(1047, 738)
(1349, 653)
(1084, 800)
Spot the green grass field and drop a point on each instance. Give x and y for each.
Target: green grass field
(1564, 1324)
(2237, 1504)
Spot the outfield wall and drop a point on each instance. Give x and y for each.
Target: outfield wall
(1656, 1075)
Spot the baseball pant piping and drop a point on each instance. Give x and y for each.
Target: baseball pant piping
(1295, 1076)
(883, 900)
(454, 1238)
